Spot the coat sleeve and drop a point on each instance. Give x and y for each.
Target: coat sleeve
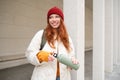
(72, 53)
(33, 48)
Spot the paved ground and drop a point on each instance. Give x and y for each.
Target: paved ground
(115, 75)
(22, 72)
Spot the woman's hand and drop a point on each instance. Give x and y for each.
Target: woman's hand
(74, 60)
(51, 57)
(44, 56)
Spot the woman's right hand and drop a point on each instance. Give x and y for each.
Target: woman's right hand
(45, 56)
(51, 57)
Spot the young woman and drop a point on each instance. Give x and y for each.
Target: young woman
(57, 41)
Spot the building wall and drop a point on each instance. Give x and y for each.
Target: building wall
(19, 21)
(88, 28)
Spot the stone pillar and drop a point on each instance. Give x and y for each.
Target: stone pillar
(115, 32)
(98, 39)
(108, 35)
(74, 20)
(118, 32)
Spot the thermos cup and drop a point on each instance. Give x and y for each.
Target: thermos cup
(66, 60)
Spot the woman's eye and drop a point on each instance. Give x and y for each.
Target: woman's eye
(57, 16)
(50, 17)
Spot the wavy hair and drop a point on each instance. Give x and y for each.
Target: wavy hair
(61, 33)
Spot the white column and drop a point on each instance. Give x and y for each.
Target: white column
(108, 35)
(115, 31)
(98, 39)
(118, 32)
(74, 19)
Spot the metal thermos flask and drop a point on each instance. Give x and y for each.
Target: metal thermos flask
(63, 58)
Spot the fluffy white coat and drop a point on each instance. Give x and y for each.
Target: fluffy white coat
(47, 70)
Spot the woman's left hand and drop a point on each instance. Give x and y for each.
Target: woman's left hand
(74, 60)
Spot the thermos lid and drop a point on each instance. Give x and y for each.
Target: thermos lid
(55, 55)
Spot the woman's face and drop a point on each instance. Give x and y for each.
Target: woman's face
(54, 20)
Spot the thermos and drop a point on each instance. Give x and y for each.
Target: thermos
(66, 60)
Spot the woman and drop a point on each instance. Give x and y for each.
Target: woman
(57, 41)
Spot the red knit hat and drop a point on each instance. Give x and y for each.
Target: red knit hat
(55, 10)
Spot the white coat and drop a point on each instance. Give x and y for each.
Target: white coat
(47, 70)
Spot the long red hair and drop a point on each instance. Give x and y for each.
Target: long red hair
(62, 35)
